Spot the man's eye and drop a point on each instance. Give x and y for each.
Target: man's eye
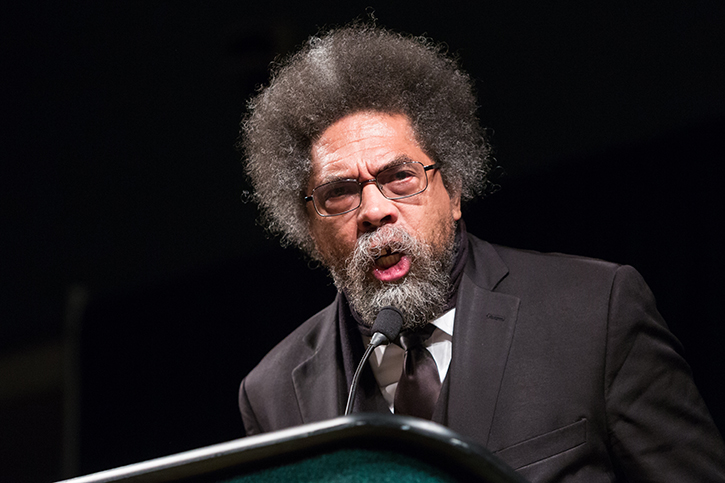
(338, 191)
(402, 175)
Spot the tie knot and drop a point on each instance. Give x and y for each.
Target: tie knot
(411, 339)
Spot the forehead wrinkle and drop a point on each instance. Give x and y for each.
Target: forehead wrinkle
(347, 149)
(369, 127)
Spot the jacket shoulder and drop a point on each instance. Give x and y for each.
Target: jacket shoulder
(298, 345)
(514, 264)
(267, 394)
(516, 257)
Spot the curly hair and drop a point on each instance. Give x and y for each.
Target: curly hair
(344, 71)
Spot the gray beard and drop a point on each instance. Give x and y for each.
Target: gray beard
(421, 295)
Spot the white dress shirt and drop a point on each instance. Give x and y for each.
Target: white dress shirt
(387, 360)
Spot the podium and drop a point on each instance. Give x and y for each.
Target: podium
(357, 448)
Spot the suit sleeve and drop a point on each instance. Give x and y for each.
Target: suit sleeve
(659, 427)
(251, 426)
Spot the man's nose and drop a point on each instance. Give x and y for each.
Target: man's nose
(375, 209)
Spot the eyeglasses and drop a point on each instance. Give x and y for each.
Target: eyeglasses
(396, 182)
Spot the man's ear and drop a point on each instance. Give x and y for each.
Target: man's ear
(455, 197)
(456, 205)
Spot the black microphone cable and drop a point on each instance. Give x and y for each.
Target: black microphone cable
(386, 329)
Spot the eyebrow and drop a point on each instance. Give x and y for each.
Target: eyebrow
(400, 159)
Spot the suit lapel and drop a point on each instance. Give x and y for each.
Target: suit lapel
(318, 381)
(484, 329)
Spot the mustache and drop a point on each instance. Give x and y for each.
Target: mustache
(383, 241)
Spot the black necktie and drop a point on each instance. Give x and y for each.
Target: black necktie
(419, 384)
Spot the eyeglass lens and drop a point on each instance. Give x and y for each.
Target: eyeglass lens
(399, 181)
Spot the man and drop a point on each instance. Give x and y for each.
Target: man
(361, 151)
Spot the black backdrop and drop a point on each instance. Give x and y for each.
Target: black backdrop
(119, 177)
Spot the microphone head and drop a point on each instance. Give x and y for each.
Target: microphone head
(388, 322)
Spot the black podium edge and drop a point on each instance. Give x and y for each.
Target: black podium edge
(432, 443)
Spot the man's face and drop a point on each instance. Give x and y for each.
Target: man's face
(358, 147)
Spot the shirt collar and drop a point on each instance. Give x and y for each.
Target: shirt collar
(445, 321)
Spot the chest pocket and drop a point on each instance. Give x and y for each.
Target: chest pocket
(545, 445)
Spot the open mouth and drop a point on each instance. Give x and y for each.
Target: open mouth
(391, 266)
(387, 259)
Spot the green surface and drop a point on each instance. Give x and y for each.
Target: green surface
(351, 466)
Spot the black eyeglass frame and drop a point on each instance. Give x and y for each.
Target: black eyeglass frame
(361, 184)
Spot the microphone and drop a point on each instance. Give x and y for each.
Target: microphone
(386, 329)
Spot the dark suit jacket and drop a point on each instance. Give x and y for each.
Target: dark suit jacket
(561, 366)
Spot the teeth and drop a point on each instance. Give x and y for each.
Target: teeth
(381, 252)
(387, 261)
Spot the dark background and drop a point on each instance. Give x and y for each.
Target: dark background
(135, 284)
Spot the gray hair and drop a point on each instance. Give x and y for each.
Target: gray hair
(353, 69)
